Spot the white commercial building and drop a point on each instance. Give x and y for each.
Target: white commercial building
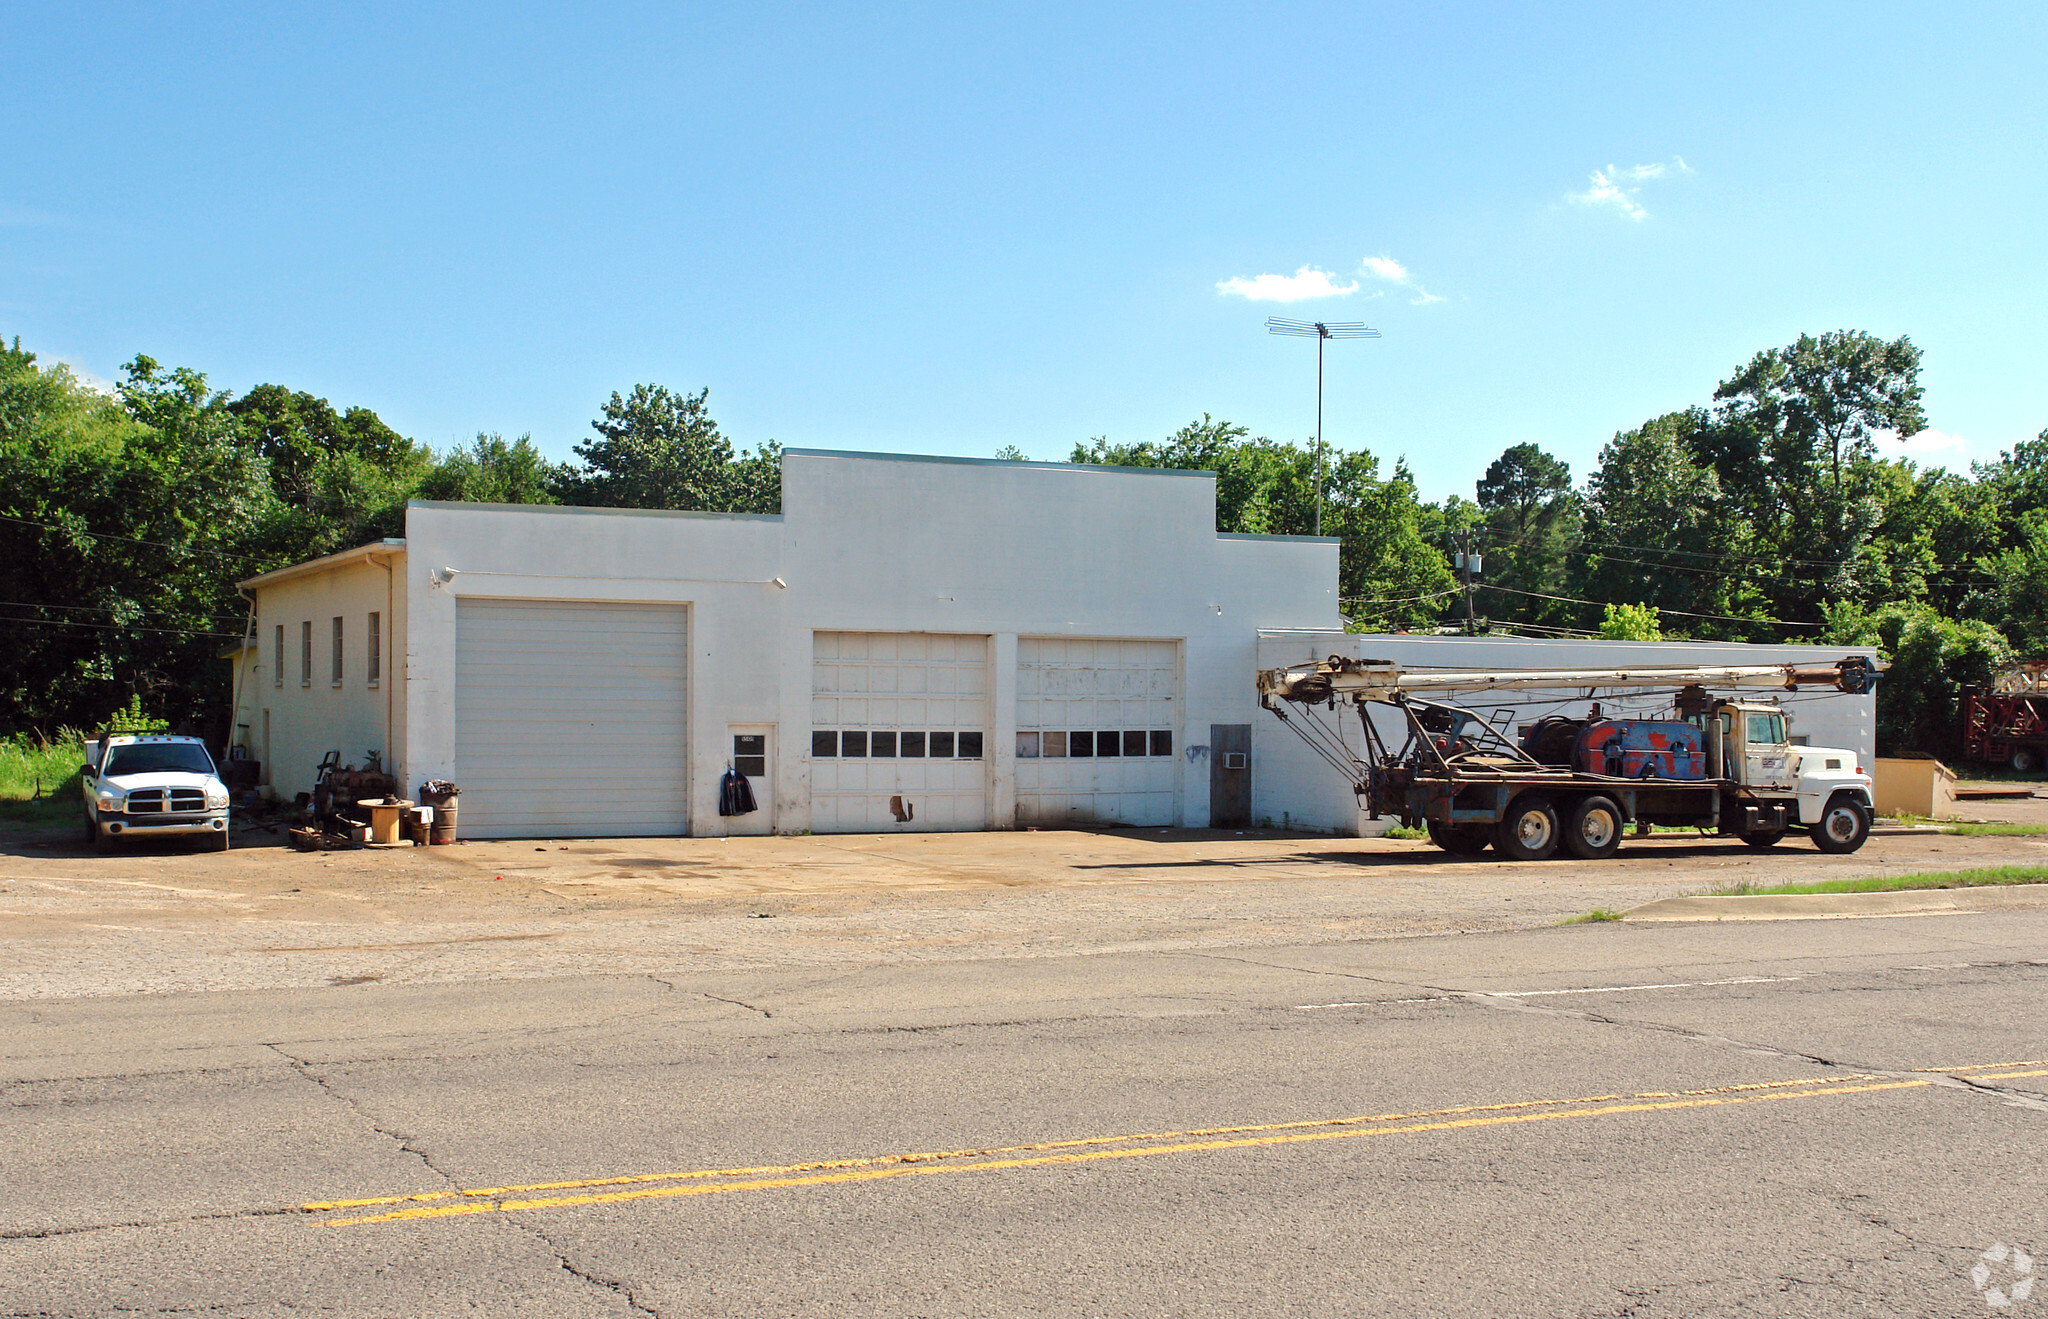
(911, 644)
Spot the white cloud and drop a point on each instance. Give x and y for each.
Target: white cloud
(1390, 271)
(1618, 187)
(1305, 283)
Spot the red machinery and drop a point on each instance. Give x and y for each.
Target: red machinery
(2008, 725)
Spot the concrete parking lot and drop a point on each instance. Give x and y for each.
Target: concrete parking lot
(1061, 1073)
(160, 919)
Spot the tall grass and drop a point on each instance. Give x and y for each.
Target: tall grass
(39, 776)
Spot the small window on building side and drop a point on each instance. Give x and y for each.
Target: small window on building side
(1134, 741)
(306, 653)
(750, 754)
(374, 673)
(1080, 742)
(1162, 743)
(1052, 744)
(913, 745)
(853, 745)
(970, 746)
(942, 746)
(337, 652)
(882, 745)
(277, 657)
(1107, 742)
(1027, 746)
(824, 744)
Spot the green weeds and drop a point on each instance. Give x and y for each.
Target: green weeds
(1994, 875)
(39, 778)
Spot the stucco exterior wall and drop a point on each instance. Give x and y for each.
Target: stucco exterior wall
(1291, 782)
(878, 543)
(290, 725)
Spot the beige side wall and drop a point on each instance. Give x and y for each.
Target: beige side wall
(293, 723)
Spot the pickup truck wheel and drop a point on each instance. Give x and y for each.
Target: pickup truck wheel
(1842, 827)
(1528, 832)
(1458, 839)
(1764, 838)
(217, 842)
(2025, 760)
(1592, 832)
(92, 831)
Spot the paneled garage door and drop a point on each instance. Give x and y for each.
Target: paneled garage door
(1097, 727)
(569, 719)
(898, 721)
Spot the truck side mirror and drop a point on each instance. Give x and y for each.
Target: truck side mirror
(85, 771)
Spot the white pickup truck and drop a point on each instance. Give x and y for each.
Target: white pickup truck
(150, 785)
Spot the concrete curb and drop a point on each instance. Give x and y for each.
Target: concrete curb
(1841, 906)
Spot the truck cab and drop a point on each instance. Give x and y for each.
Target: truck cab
(153, 784)
(1830, 791)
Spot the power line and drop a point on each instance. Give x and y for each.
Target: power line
(132, 540)
(107, 609)
(1682, 613)
(1400, 599)
(116, 627)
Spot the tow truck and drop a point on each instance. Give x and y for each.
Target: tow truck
(1726, 767)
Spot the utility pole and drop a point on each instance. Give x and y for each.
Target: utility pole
(1322, 330)
(1469, 564)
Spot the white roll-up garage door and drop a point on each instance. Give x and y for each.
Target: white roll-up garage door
(1098, 725)
(569, 719)
(898, 722)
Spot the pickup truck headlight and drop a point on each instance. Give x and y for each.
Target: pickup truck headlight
(115, 802)
(216, 798)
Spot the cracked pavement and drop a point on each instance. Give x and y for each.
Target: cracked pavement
(1776, 1118)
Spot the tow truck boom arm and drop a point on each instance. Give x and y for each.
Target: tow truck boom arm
(1357, 680)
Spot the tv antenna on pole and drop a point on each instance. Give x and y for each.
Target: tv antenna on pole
(1320, 331)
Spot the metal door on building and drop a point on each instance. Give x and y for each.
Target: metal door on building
(569, 719)
(1230, 776)
(1098, 726)
(898, 732)
(751, 751)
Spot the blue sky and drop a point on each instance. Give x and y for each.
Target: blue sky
(947, 229)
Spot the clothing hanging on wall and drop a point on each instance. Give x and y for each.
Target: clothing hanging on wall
(735, 794)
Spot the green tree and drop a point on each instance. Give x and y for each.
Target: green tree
(491, 471)
(1390, 573)
(1532, 523)
(1630, 623)
(1793, 438)
(1658, 530)
(1932, 659)
(660, 449)
(128, 520)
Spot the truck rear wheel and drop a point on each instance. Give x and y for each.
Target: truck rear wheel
(1458, 839)
(1528, 831)
(1843, 826)
(2025, 760)
(1592, 832)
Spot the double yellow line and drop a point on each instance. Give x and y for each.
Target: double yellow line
(1137, 1145)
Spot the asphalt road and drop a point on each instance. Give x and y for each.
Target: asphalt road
(1782, 1118)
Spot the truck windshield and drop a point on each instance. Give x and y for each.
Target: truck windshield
(158, 758)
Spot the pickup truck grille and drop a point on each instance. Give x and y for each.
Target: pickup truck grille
(159, 801)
